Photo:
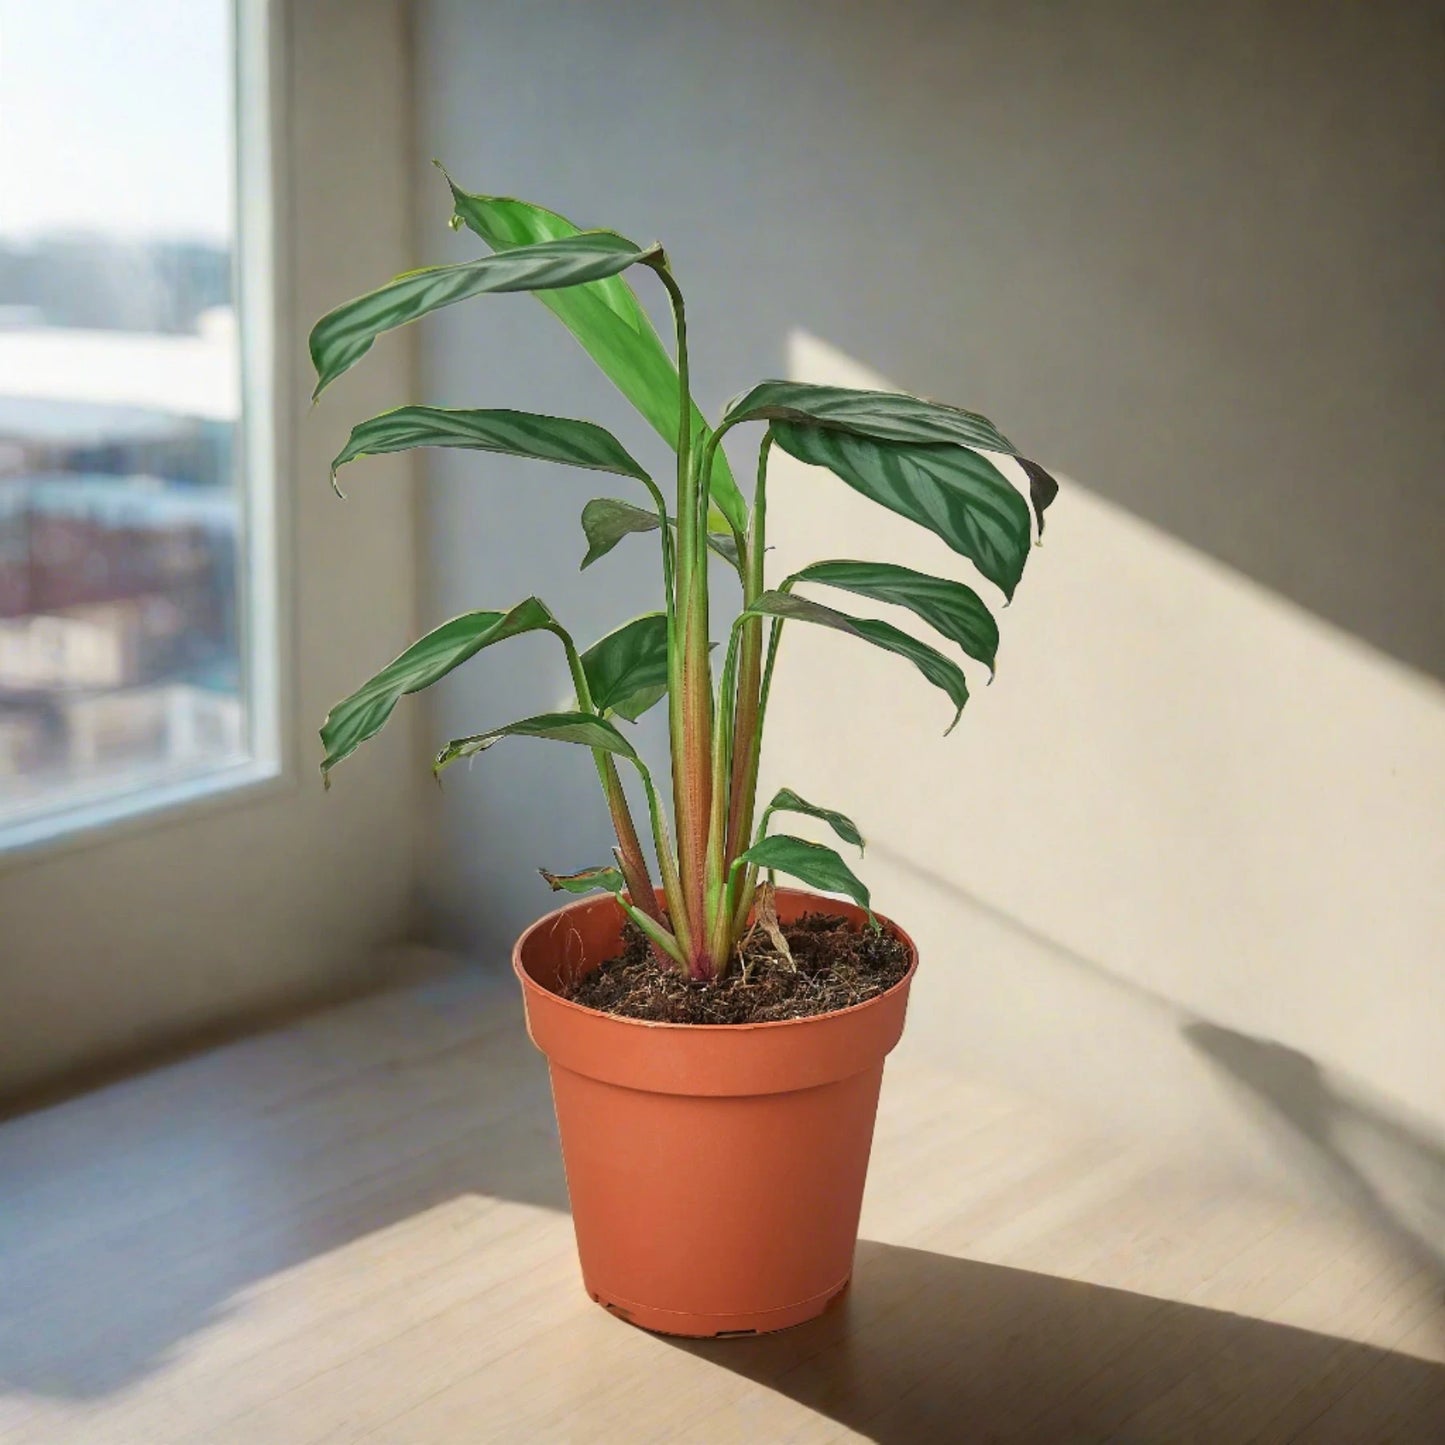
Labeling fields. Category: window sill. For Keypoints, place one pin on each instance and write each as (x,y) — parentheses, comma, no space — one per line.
(120,814)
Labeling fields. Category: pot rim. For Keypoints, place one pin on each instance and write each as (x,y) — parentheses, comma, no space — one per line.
(556,999)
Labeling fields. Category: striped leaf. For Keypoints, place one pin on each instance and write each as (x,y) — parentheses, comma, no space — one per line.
(955,493)
(610,323)
(343,336)
(928,660)
(513,433)
(362,715)
(561,727)
(886,415)
(816,865)
(949,607)
(787,801)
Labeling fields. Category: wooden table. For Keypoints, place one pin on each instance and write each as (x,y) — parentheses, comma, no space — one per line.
(355,1228)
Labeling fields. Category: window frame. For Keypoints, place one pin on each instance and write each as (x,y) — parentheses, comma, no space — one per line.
(264,600)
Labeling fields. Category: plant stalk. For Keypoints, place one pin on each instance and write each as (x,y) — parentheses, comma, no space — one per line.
(750,874)
(666,862)
(630,857)
(689,666)
(719,911)
(746,740)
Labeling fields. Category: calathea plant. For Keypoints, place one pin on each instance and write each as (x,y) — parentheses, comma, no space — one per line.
(925,461)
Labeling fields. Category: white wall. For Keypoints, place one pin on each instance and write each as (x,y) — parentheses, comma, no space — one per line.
(1192,256)
(282,894)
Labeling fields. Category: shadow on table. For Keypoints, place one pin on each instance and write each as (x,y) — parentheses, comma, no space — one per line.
(152,1217)
(924,1348)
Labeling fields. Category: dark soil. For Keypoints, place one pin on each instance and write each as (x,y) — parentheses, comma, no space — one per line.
(833,966)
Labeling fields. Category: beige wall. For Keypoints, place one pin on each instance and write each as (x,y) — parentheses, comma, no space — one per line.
(281,894)
(1192,255)
(1185,802)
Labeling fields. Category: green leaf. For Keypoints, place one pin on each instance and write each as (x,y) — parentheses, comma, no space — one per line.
(635,704)
(362,715)
(725,546)
(628,664)
(1042,488)
(610,323)
(787,801)
(953,609)
(606,521)
(561,727)
(627,669)
(343,336)
(887,415)
(928,660)
(514,433)
(817,865)
(957,494)
(604,879)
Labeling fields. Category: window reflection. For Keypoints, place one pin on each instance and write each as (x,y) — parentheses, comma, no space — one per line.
(121,643)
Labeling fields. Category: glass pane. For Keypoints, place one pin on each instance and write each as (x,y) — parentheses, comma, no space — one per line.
(121,500)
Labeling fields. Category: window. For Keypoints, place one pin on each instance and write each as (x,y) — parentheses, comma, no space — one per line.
(136,646)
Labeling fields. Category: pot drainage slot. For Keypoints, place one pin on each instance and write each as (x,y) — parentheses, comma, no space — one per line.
(613,1309)
(732,1334)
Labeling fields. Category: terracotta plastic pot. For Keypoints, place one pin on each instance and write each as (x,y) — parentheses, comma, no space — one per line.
(715,1170)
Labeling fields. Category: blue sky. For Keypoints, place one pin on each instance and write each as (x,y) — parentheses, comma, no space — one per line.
(116,116)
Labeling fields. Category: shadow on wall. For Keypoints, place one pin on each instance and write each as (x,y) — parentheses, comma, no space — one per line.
(927,1347)
(1347,1136)
(1320,1127)
(1151,241)
(1224,802)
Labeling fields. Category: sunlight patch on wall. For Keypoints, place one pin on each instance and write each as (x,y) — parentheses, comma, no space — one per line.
(1179,780)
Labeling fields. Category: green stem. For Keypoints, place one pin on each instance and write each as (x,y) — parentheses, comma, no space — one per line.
(667,545)
(719,913)
(667,864)
(657,935)
(689,666)
(630,856)
(746,724)
(750,877)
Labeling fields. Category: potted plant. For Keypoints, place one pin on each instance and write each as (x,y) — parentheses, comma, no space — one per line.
(716,1045)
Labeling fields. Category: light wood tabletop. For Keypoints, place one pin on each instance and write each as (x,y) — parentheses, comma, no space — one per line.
(354,1228)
